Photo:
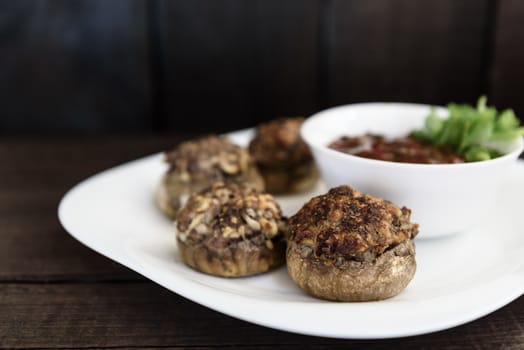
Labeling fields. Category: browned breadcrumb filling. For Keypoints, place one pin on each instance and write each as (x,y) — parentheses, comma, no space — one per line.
(346,223)
(209,158)
(278,143)
(230,212)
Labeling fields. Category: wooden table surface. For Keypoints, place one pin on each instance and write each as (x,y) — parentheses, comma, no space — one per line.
(56,293)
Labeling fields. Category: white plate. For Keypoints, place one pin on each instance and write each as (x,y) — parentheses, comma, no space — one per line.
(458,278)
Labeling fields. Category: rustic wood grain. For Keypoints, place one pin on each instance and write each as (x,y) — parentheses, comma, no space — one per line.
(216,65)
(507,68)
(229,64)
(36,173)
(402,50)
(74,65)
(145,315)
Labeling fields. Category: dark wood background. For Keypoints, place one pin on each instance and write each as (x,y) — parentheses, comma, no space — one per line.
(137,65)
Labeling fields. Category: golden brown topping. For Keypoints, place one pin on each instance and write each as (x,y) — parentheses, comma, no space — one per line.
(229,212)
(278,143)
(207,158)
(347,223)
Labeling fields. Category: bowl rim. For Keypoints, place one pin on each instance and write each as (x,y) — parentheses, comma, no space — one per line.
(514,154)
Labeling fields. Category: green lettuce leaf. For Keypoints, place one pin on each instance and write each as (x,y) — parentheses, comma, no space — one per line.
(471,131)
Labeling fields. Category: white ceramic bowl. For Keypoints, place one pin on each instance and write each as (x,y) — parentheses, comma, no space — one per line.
(444,198)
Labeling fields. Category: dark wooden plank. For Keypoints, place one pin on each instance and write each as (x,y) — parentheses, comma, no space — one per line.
(74,65)
(230,64)
(285,53)
(507,71)
(146,315)
(402,50)
(36,173)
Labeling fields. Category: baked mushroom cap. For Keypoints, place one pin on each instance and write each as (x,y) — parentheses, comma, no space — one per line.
(231,230)
(196,164)
(349,246)
(282,156)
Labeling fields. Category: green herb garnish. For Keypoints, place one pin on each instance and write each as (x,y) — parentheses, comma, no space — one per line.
(477,134)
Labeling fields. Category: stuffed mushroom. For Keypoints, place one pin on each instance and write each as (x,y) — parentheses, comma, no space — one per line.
(349,246)
(231,230)
(196,164)
(282,157)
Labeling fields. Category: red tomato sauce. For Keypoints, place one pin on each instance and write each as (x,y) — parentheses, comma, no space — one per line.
(403,150)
